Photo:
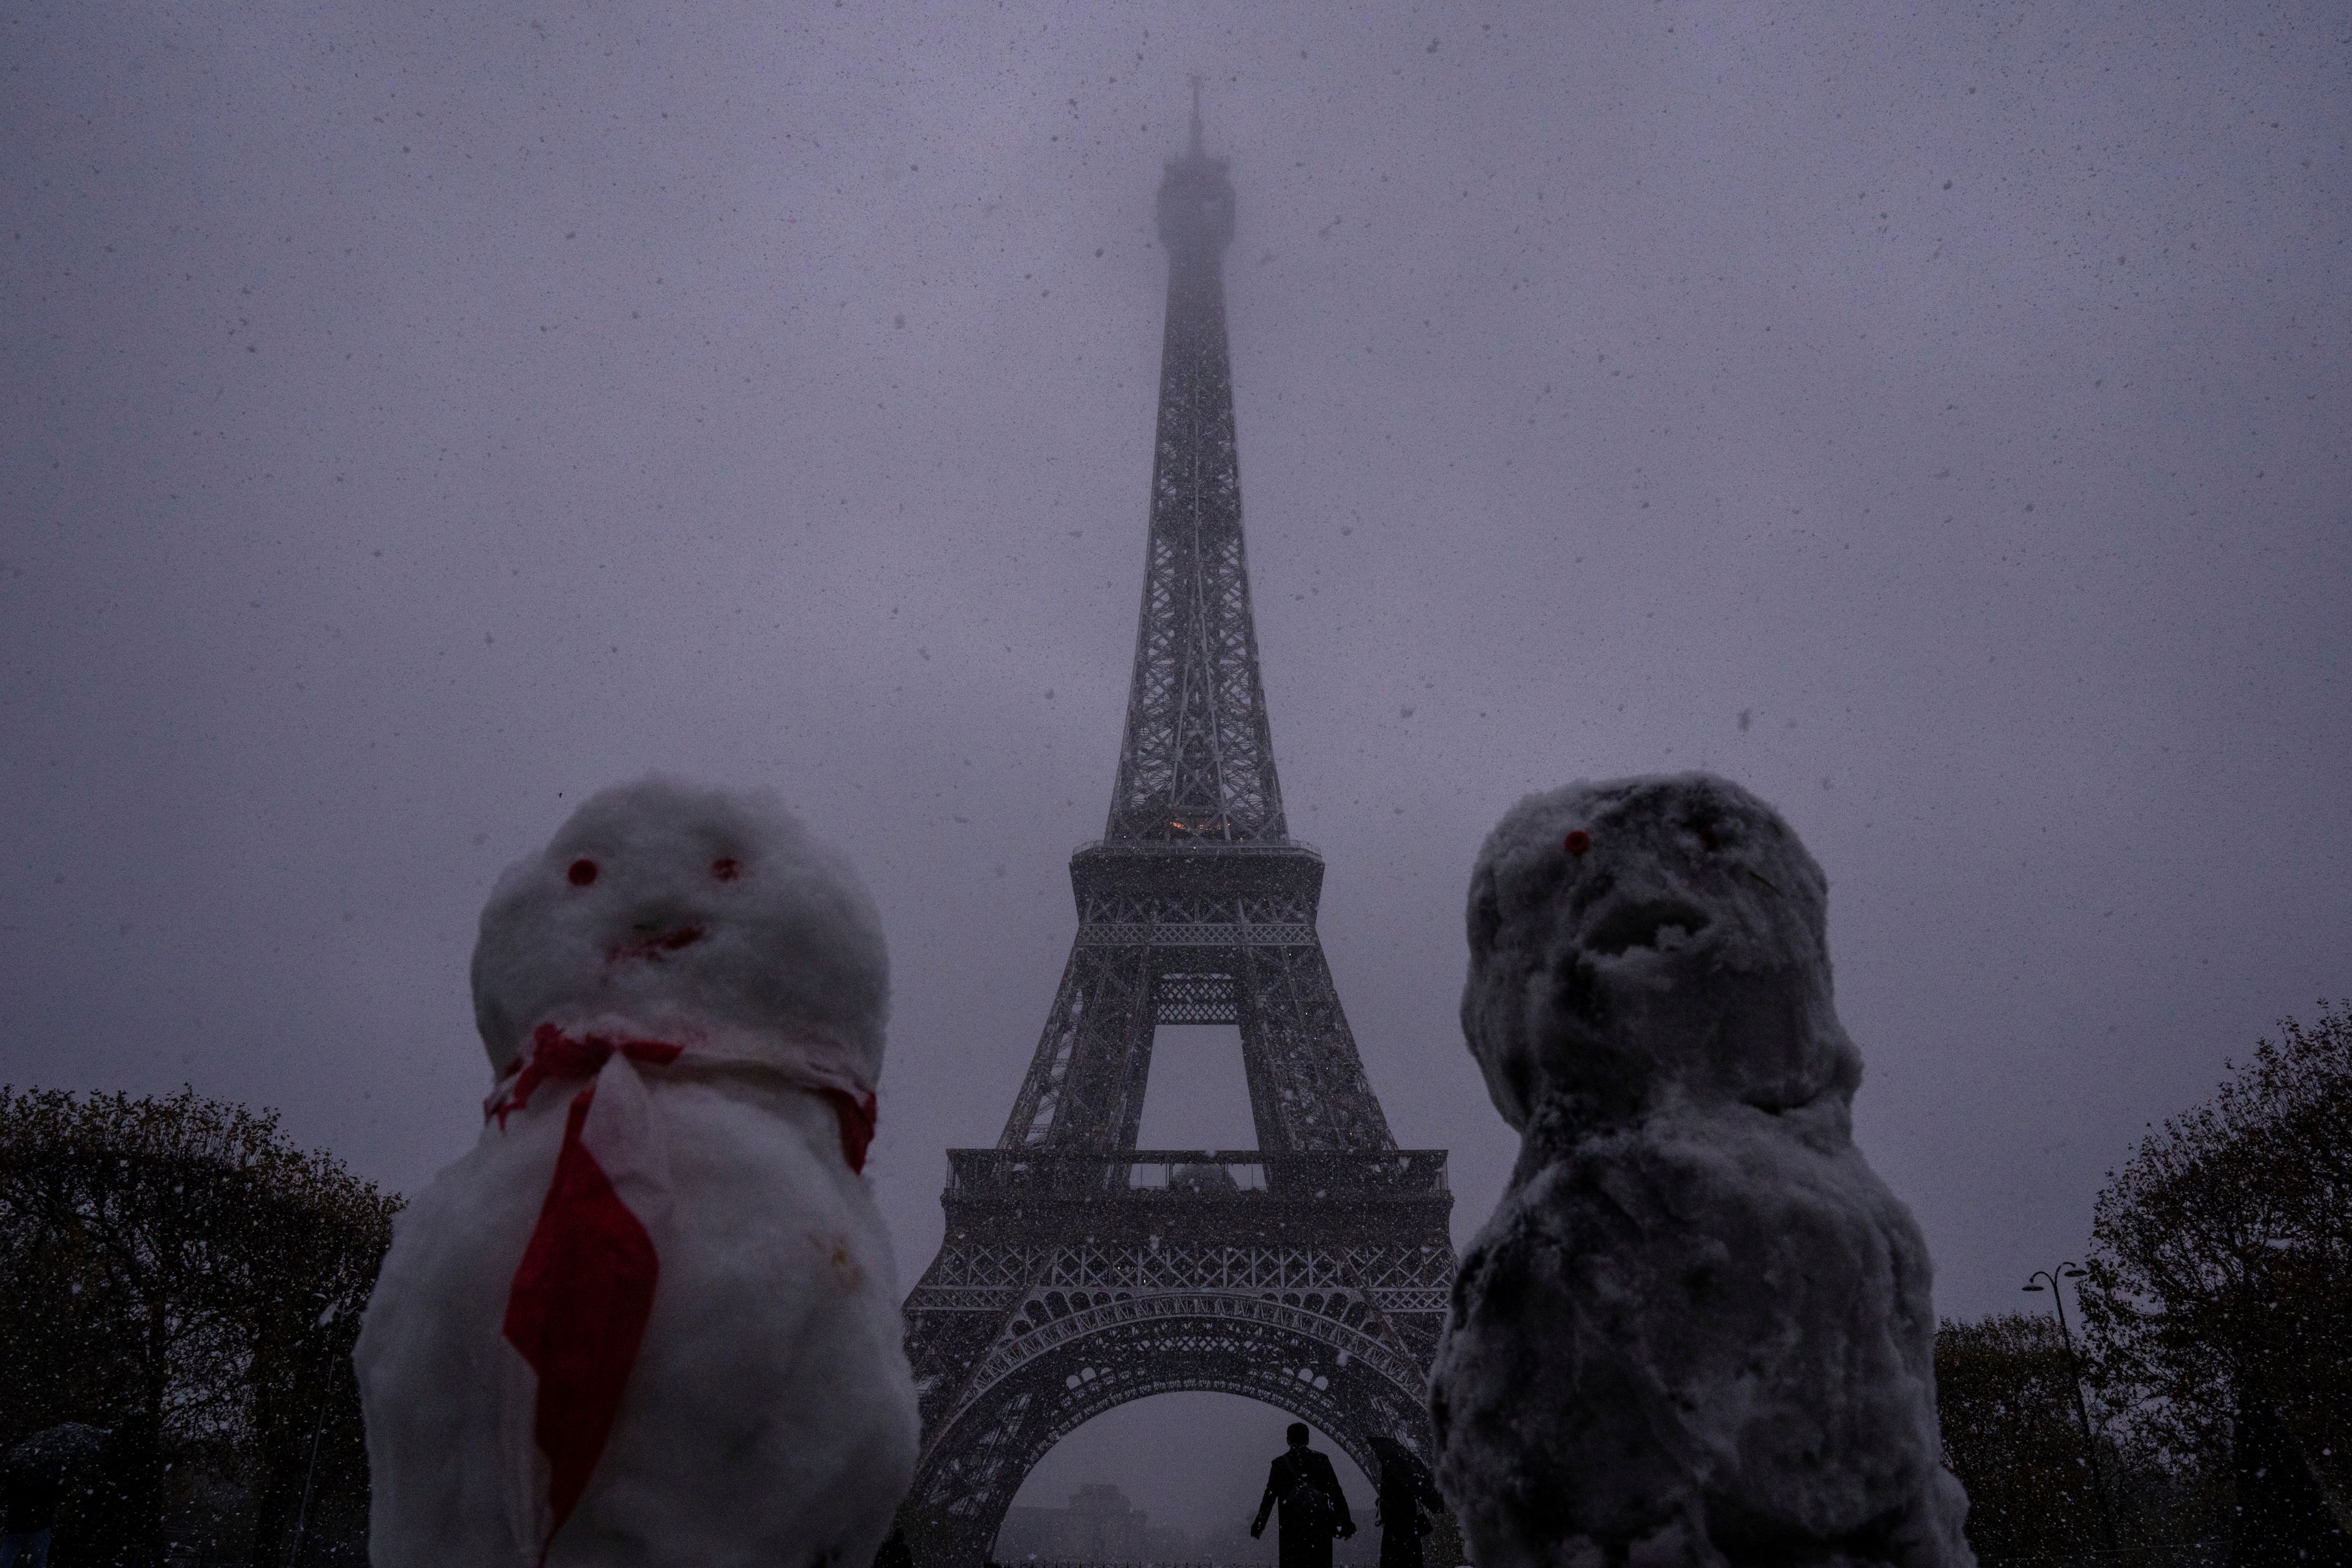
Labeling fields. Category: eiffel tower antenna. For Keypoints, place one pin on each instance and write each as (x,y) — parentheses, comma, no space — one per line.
(1198,760)
(1079,1271)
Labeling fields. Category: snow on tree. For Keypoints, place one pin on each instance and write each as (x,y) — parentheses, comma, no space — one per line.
(1697,1329)
(651,1318)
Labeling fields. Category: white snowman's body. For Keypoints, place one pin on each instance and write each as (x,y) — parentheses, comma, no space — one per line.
(768,1415)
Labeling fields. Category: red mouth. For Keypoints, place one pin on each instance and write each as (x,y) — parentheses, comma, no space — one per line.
(651,948)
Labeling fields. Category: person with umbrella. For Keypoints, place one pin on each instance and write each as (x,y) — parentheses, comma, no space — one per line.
(32,1481)
(1314,1509)
(1406,1489)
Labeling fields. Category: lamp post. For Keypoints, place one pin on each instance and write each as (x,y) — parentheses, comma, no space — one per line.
(317,1426)
(2033,1282)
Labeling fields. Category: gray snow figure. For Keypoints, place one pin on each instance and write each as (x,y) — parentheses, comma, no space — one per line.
(1697,1329)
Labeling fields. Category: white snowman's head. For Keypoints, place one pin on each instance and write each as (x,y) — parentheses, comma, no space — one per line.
(674,905)
(1650,937)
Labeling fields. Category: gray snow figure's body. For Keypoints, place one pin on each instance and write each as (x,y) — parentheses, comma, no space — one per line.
(1697,1329)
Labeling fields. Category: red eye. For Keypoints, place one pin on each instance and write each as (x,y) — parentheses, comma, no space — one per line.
(582,872)
(1577,842)
(725,870)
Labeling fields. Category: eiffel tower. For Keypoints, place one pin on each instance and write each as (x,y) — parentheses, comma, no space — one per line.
(1078,1271)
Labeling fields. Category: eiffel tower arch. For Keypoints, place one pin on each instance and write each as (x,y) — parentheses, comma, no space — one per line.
(1078,1271)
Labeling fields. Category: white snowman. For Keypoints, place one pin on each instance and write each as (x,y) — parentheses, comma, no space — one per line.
(1697,1329)
(651,1320)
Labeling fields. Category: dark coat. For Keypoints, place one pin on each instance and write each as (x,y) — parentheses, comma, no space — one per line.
(1303,1546)
(30,1485)
(1405,1489)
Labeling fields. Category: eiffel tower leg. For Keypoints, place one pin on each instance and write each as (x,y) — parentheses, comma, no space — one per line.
(1084,1085)
(952,1517)
(1036,1108)
(1300,1055)
(1113,1057)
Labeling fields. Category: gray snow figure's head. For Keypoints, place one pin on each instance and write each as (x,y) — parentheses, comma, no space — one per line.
(671,904)
(1648,939)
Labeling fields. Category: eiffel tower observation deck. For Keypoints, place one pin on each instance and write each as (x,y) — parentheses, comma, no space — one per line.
(1078,1271)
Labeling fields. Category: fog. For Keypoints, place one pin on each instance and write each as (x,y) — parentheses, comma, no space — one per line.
(1933,419)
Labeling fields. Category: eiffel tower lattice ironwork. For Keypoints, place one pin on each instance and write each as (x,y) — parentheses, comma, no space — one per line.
(1079,1272)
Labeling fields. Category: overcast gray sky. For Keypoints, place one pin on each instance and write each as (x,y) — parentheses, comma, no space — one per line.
(1933,417)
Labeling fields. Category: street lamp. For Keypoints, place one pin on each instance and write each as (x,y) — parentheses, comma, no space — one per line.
(2035,1282)
(317,1426)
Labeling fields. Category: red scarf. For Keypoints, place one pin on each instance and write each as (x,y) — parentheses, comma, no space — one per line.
(577,1310)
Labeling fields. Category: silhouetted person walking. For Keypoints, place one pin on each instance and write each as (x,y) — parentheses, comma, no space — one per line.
(1405,1489)
(1314,1509)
